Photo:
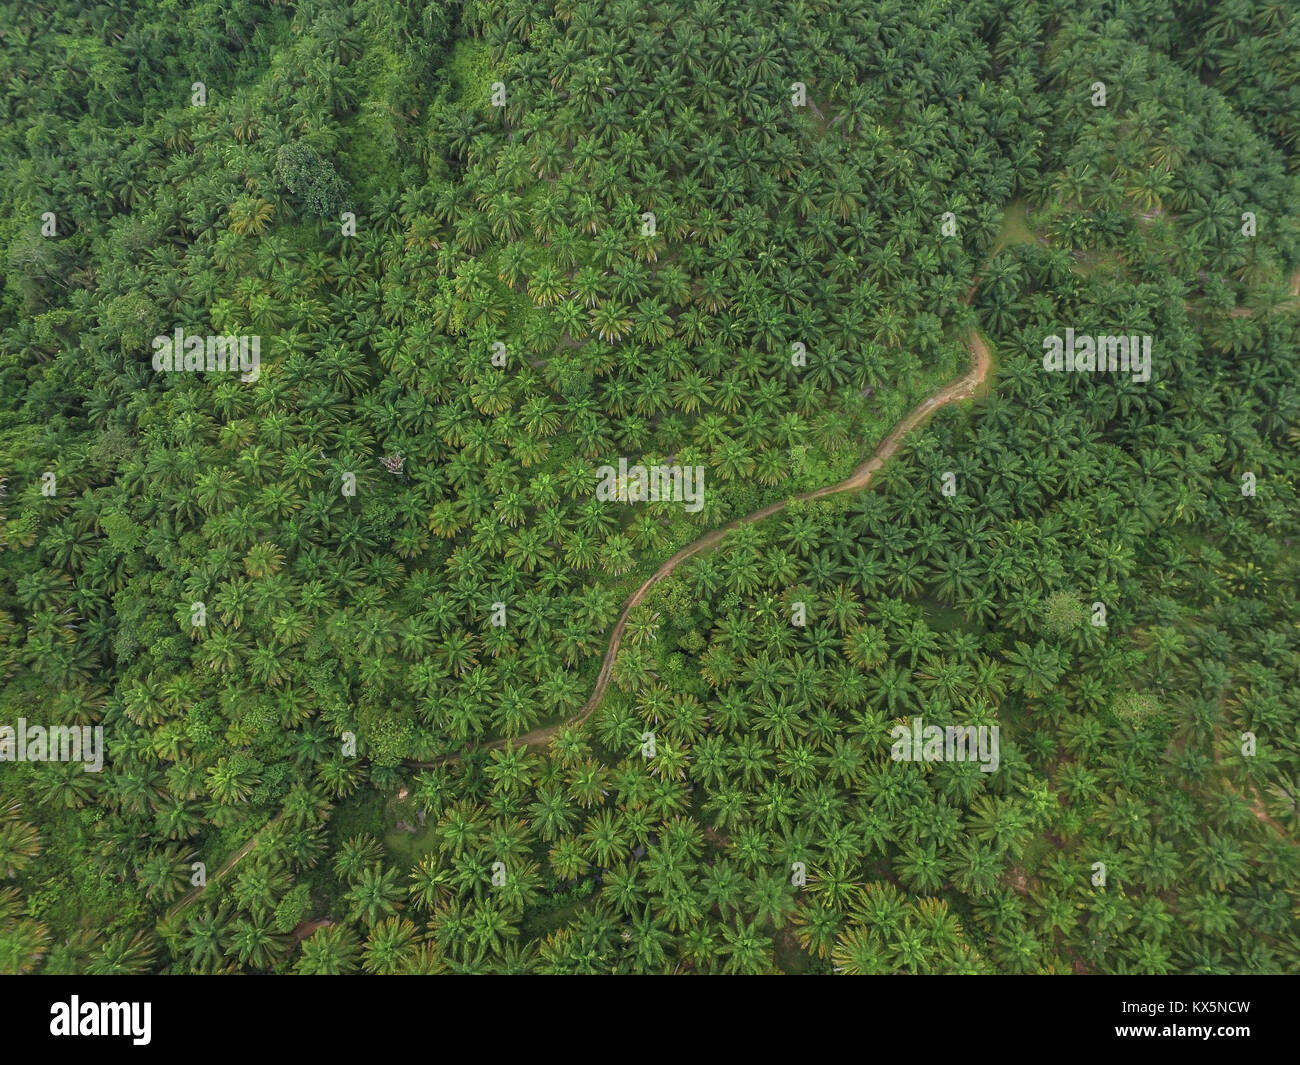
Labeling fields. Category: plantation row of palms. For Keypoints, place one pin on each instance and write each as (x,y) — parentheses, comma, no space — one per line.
(645,229)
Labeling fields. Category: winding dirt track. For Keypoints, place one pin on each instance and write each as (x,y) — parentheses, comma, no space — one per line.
(230,863)
(964,387)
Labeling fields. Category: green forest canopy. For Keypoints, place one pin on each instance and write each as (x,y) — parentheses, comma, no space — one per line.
(951,171)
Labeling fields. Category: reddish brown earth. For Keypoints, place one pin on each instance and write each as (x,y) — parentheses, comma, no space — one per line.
(963,388)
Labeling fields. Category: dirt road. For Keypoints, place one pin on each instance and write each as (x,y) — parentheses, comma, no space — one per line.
(963,388)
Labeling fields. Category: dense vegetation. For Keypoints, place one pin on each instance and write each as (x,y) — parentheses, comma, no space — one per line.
(466,309)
